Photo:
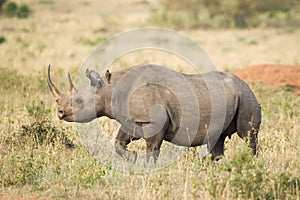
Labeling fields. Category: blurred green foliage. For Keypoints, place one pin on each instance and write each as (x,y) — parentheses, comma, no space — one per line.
(12,9)
(2,39)
(1,4)
(227,14)
(23,11)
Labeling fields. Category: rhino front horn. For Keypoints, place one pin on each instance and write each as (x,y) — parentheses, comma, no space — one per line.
(56,93)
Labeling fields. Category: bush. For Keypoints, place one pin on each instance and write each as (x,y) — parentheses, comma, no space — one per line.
(11,9)
(2,39)
(23,11)
(43,132)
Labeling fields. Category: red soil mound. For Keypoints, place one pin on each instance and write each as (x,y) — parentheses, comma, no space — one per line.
(273,75)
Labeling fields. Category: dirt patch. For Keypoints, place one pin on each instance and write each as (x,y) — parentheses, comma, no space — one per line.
(273,75)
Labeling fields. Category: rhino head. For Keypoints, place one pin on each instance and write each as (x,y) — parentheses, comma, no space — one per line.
(81,106)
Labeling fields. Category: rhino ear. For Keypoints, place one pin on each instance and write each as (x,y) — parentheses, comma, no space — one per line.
(108,76)
(94,77)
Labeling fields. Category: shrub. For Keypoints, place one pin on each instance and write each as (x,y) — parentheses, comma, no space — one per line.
(2,39)
(23,11)
(11,9)
(43,132)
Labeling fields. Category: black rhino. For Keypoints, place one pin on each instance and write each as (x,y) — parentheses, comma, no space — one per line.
(151,101)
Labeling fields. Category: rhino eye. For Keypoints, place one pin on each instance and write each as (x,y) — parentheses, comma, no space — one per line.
(79,101)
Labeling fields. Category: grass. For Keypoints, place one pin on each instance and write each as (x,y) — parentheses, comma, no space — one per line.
(44,156)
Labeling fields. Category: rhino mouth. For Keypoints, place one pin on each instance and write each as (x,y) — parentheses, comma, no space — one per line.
(73,118)
(66,117)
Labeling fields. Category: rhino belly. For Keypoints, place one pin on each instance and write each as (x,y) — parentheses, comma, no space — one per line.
(185,139)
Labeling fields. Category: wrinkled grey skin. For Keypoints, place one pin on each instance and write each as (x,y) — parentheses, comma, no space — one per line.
(243,113)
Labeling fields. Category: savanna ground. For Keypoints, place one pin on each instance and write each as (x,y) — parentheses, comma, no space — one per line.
(41,157)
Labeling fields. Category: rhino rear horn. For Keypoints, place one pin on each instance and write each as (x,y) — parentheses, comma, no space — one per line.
(71,86)
(94,77)
(56,93)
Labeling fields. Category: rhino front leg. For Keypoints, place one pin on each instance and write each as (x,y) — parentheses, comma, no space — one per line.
(121,142)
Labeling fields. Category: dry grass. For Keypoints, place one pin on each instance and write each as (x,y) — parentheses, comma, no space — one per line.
(63,33)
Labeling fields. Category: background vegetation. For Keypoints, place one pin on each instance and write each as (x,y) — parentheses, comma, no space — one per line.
(42,157)
(12,9)
(228,14)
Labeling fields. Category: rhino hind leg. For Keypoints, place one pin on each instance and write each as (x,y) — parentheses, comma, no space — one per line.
(250,137)
(154,132)
(153,145)
(218,150)
(248,131)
